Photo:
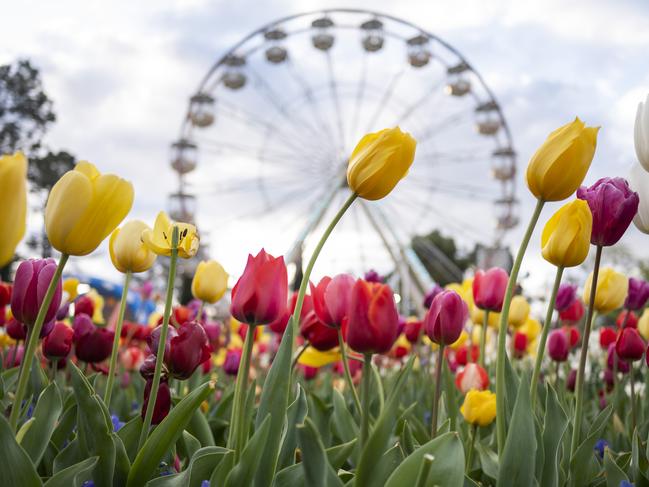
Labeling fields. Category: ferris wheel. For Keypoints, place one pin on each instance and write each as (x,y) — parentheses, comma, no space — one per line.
(263,149)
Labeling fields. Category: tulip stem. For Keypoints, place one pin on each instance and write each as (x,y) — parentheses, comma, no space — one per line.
(544,337)
(483,339)
(348,375)
(469,453)
(118,333)
(365,397)
(579,405)
(238,434)
(155,384)
(438,390)
(501,390)
(633,411)
(32,343)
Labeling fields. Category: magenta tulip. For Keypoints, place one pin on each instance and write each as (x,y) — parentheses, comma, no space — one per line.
(446,317)
(32,279)
(154,339)
(489,288)
(84,305)
(232,360)
(630,345)
(637,295)
(558,346)
(430,295)
(58,343)
(94,346)
(331,299)
(565,297)
(612,357)
(188,350)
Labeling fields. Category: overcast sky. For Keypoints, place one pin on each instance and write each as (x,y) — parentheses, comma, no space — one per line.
(120,73)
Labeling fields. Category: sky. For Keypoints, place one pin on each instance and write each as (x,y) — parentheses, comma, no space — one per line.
(120,74)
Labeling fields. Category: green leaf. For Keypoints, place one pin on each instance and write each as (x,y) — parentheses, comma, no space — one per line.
(317,470)
(583,466)
(488,460)
(517,465)
(295,415)
(555,424)
(187,445)
(447,468)
(244,471)
(638,462)
(289,476)
(65,426)
(70,455)
(338,455)
(450,396)
(614,475)
(387,464)
(46,413)
(222,469)
(73,476)
(200,468)
(15,465)
(165,435)
(200,428)
(274,401)
(380,435)
(130,436)
(511,387)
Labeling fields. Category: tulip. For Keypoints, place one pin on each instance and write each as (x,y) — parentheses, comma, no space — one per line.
(467,354)
(637,295)
(565,296)
(147,367)
(472,377)
(643,324)
(93,346)
(559,166)
(132,358)
(84,207)
(430,295)
(379,161)
(611,290)
(489,289)
(153,341)
(232,360)
(84,305)
(210,281)
(32,280)
(612,357)
(259,296)
(565,240)
(572,334)
(401,348)
(159,240)
(15,329)
(626,319)
(641,133)
(606,337)
(320,336)
(13,204)
(5,294)
(571,381)
(373,276)
(519,344)
(639,182)
(479,407)
(58,343)
(573,313)
(127,251)
(531,329)
(15,358)
(331,299)
(309,373)
(630,346)
(446,317)
(412,330)
(519,311)
(70,287)
(162,401)
(613,205)
(188,350)
(558,346)
(373,319)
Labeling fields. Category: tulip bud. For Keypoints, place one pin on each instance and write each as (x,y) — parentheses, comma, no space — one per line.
(430,295)
(162,402)
(641,133)
(412,330)
(232,360)
(626,319)
(565,240)
(147,368)
(15,329)
(58,343)
(519,311)
(84,305)
(637,295)
(472,377)
(639,182)
(32,279)
(373,276)
(643,324)
(188,350)
(259,297)
(629,345)
(571,381)
(13,204)
(94,346)
(572,334)
(566,294)
(132,358)
(606,337)
(127,251)
(446,317)
(467,354)
(558,346)
(612,356)
(613,205)
(379,161)
(159,240)
(559,166)
(154,340)
(373,320)
(611,290)
(84,207)
(489,288)
(331,299)
(210,281)
(320,336)
(5,294)
(479,407)
(519,344)
(573,313)
(531,329)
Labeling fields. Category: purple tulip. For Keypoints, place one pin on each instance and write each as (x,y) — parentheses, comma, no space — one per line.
(445,319)
(622,365)
(571,381)
(565,297)
(558,346)
(231,363)
(147,368)
(154,340)
(188,350)
(613,205)
(82,325)
(162,401)
(637,295)
(94,346)
(32,279)
(430,295)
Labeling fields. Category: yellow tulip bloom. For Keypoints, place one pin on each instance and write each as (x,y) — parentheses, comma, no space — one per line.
(519,311)
(612,288)
(643,324)
(531,328)
(127,251)
(559,166)
(13,204)
(159,239)
(98,301)
(379,161)
(566,236)
(315,358)
(479,407)
(84,207)
(210,281)
(70,287)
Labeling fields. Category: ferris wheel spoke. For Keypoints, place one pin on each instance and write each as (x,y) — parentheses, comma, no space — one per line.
(333,87)
(358,100)
(448,122)
(385,98)
(421,102)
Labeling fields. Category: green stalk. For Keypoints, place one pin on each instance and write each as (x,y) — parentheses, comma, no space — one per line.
(633,407)
(424,470)
(365,397)
(348,375)
(483,339)
(162,341)
(579,391)
(469,453)
(501,390)
(238,435)
(544,336)
(118,333)
(32,343)
(438,390)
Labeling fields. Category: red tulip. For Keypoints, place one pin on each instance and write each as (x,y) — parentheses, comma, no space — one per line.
(15,329)
(182,314)
(462,354)
(320,336)
(309,373)
(626,319)
(132,358)
(94,346)
(558,346)
(5,294)
(572,333)
(354,367)
(489,288)
(373,321)
(188,350)
(259,296)
(147,368)
(607,336)
(612,357)
(331,299)
(279,325)
(162,402)
(84,305)
(573,313)
(520,344)
(412,330)
(32,279)
(58,343)
(446,317)
(630,345)
(472,377)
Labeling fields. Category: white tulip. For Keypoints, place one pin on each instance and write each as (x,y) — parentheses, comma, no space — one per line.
(639,182)
(641,133)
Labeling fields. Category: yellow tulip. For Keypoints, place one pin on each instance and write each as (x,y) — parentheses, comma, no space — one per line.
(13,204)
(566,236)
(159,239)
(643,324)
(84,207)
(559,166)
(479,407)
(315,358)
(127,251)
(379,161)
(519,311)
(612,288)
(70,287)
(210,281)
(98,302)
(531,328)
(493,320)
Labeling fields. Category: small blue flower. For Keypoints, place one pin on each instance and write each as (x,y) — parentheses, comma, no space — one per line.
(117,424)
(205,483)
(626,483)
(599,448)
(30,409)
(88,483)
